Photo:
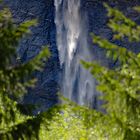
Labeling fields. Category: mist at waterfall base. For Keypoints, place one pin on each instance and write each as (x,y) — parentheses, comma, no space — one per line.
(77,84)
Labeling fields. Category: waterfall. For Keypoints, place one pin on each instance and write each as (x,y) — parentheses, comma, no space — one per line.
(77,83)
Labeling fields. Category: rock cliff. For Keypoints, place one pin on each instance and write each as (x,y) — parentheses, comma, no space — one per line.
(45,34)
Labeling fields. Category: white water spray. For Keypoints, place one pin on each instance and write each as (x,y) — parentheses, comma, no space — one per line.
(77,83)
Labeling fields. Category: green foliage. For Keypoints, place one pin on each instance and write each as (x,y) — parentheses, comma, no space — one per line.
(123,26)
(69,121)
(14,81)
(120,86)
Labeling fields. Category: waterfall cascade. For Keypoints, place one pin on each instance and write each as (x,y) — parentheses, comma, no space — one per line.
(77,83)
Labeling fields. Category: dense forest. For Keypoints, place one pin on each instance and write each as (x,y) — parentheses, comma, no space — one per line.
(117,117)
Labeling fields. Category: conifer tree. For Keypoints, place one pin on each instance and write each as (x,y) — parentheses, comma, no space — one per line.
(120,86)
(15,80)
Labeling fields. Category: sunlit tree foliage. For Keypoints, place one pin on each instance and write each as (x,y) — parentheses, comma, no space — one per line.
(15,79)
(120,86)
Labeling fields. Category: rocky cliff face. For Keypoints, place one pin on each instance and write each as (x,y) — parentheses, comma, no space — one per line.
(45,33)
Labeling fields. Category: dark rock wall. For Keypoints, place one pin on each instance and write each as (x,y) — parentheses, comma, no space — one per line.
(44,33)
